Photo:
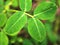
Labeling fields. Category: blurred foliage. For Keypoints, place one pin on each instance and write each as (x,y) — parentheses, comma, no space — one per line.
(23,38)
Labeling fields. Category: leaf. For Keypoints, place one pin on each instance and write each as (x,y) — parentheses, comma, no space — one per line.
(15,23)
(25,5)
(35,42)
(15,3)
(36,29)
(52,19)
(3,19)
(45,10)
(44,42)
(3,39)
(52,37)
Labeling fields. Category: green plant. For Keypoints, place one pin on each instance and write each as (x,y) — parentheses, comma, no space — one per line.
(12,21)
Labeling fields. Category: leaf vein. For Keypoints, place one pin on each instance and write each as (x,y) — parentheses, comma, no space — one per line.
(17,21)
(37,27)
(43,12)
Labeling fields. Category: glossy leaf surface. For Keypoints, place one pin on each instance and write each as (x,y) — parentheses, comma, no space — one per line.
(36,29)
(3,19)
(3,39)
(25,5)
(15,23)
(45,10)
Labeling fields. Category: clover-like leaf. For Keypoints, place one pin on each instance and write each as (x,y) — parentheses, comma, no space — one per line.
(3,19)
(25,5)
(36,29)
(3,39)
(15,23)
(45,10)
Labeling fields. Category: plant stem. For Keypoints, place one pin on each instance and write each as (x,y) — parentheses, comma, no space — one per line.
(13,10)
(24,12)
(29,15)
(7,7)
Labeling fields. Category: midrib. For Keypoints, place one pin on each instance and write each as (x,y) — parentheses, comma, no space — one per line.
(16,21)
(37,27)
(43,12)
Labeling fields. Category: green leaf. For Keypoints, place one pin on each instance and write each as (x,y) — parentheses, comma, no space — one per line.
(45,10)
(44,42)
(1,2)
(52,19)
(3,39)
(25,5)
(15,3)
(3,19)
(36,29)
(52,37)
(15,23)
(27,42)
